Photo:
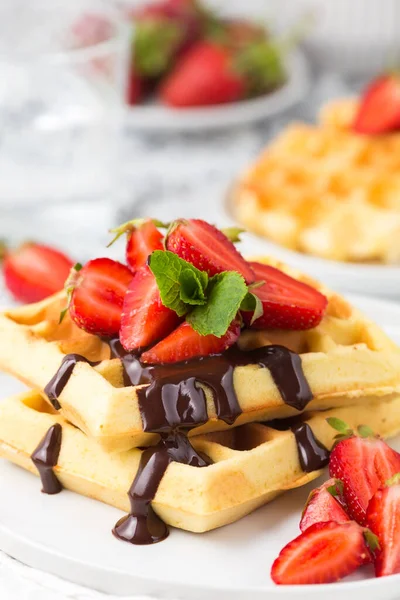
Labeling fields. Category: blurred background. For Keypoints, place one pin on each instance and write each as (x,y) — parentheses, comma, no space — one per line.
(87,143)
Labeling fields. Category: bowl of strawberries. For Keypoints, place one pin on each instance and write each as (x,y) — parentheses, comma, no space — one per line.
(191,68)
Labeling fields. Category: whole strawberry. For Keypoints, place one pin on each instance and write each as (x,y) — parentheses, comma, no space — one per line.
(34,271)
(379,109)
(216,73)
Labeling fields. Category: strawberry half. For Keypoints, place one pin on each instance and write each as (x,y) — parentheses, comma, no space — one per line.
(379,110)
(145,319)
(97,295)
(185,343)
(34,271)
(363,465)
(287,302)
(141,242)
(207,248)
(325,553)
(323,506)
(383,518)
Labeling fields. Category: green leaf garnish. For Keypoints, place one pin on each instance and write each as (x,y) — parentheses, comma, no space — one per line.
(393,480)
(233,233)
(69,287)
(131,225)
(364,431)
(179,282)
(251,302)
(225,293)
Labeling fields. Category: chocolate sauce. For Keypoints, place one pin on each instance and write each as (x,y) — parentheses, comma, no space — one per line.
(58,382)
(142,526)
(312,454)
(45,457)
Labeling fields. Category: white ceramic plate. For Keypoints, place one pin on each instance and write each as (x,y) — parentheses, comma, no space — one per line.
(155,117)
(70,536)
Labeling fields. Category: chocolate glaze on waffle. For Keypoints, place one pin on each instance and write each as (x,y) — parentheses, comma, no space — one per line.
(45,457)
(58,382)
(173,403)
(313,455)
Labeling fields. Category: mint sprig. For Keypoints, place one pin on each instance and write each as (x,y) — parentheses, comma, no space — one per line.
(179,282)
(210,304)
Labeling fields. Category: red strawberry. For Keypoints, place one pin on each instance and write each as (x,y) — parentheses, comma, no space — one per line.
(143,238)
(207,248)
(34,272)
(287,302)
(323,506)
(97,295)
(325,553)
(383,518)
(363,465)
(185,343)
(145,319)
(203,76)
(135,89)
(379,110)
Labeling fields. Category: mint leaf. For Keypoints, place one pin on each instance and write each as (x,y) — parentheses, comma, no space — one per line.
(192,290)
(252,303)
(225,292)
(179,282)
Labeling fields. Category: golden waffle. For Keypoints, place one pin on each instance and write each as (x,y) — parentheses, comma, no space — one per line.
(252,464)
(326,191)
(345,359)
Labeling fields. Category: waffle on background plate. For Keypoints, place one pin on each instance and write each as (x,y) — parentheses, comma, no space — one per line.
(88,434)
(327,191)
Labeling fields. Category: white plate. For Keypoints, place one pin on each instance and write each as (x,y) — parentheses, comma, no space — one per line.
(70,536)
(155,117)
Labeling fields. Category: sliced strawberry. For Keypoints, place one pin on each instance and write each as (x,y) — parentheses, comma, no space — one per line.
(98,294)
(383,518)
(185,343)
(363,465)
(34,271)
(325,553)
(145,319)
(141,242)
(287,302)
(207,248)
(322,506)
(379,110)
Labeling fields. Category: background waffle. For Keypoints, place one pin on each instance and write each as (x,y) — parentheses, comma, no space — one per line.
(345,359)
(252,464)
(326,191)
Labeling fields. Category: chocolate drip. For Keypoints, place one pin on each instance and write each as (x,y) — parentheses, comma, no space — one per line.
(312,454)
(58,382)
(285,368)
(45,457)
(134,372)
(142,526)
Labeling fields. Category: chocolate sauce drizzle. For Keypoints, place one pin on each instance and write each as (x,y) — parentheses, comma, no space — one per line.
(312,454)
(45,457)
(58,382)
(173,403)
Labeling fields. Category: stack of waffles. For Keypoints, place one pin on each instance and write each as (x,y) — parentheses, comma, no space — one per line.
(93,420)
(326,190)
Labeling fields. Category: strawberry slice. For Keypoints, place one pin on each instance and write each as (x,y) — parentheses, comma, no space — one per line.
(287,302)
(325,553)
(379,110)
(322,505)
(141,242)
(185,343)
(207,248)
(33,271)
(143,238)
(363,465)
(145,319)
(383,518)
(97,294)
